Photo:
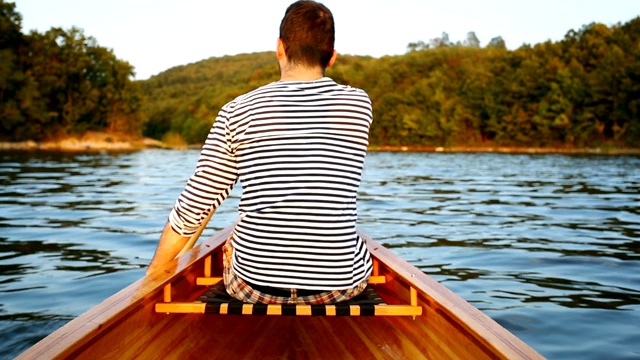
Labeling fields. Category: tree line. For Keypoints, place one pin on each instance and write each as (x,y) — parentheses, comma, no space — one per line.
(582,91)
(62,82)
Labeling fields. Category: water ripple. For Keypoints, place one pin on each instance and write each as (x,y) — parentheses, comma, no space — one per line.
(544,244)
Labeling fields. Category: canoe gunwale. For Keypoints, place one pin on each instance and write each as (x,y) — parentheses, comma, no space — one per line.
(485,330)
(75,334)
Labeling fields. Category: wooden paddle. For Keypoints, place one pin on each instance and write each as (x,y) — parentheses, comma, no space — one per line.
(194,238)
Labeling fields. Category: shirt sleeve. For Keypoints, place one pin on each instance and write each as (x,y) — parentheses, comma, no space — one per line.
(214,177)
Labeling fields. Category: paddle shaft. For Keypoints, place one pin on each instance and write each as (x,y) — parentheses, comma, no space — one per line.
(194,238)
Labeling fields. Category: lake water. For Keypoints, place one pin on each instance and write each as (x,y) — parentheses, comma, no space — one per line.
(547,245)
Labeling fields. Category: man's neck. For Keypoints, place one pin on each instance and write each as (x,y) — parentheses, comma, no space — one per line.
(301,73)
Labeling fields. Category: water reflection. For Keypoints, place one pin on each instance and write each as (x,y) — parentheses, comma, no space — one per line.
(538,242)
(577,294)
(517,232)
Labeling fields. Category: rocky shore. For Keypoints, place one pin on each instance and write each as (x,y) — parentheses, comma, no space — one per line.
(511,150)
(101,141)
(90,141)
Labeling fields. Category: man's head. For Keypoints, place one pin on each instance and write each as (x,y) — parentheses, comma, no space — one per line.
(308,34)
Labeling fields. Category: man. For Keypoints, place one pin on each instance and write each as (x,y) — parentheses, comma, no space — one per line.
(298,147)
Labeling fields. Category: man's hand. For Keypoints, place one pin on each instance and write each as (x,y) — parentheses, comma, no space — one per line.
(169,246)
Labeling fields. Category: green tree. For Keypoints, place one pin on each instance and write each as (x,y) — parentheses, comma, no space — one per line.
(12,79)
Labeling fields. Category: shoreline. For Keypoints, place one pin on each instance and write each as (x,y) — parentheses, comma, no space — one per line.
(509,150)
(88,142)
(97,142)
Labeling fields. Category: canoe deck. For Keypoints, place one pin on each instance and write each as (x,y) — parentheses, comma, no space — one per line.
(127,326)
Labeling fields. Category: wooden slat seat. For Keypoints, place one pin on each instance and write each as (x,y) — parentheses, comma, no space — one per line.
(217,301)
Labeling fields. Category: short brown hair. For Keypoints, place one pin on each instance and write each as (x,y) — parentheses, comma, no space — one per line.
(308,33)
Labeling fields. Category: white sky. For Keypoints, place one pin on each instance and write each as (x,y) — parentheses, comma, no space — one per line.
(155,35)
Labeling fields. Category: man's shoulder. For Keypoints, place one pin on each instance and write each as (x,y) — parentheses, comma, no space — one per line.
(325,85)
(349,88)
(249,96)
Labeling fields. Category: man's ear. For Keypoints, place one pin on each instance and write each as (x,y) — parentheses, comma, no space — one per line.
(333,58)
(280,53)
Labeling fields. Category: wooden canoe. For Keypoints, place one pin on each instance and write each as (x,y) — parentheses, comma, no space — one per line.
(126,325)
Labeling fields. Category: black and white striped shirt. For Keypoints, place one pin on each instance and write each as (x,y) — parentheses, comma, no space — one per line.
(298,149)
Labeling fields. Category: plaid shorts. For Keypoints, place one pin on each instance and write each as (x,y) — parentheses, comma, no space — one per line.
(239,289)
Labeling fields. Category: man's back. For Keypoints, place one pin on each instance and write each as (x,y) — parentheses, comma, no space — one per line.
(300,149)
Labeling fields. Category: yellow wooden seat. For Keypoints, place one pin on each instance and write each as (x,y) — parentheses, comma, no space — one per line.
(217,301)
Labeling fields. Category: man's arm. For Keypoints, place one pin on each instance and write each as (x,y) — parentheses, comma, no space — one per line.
(169,246)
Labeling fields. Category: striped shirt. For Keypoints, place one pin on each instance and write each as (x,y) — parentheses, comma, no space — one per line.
(298,149)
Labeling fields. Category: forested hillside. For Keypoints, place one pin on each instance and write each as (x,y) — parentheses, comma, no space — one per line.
(185,100)
(583,91)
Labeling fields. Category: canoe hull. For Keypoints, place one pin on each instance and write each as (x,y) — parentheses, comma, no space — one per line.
(127,326)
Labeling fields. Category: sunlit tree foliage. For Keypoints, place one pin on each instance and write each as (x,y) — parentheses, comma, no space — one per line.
(62,82)
(583,91)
